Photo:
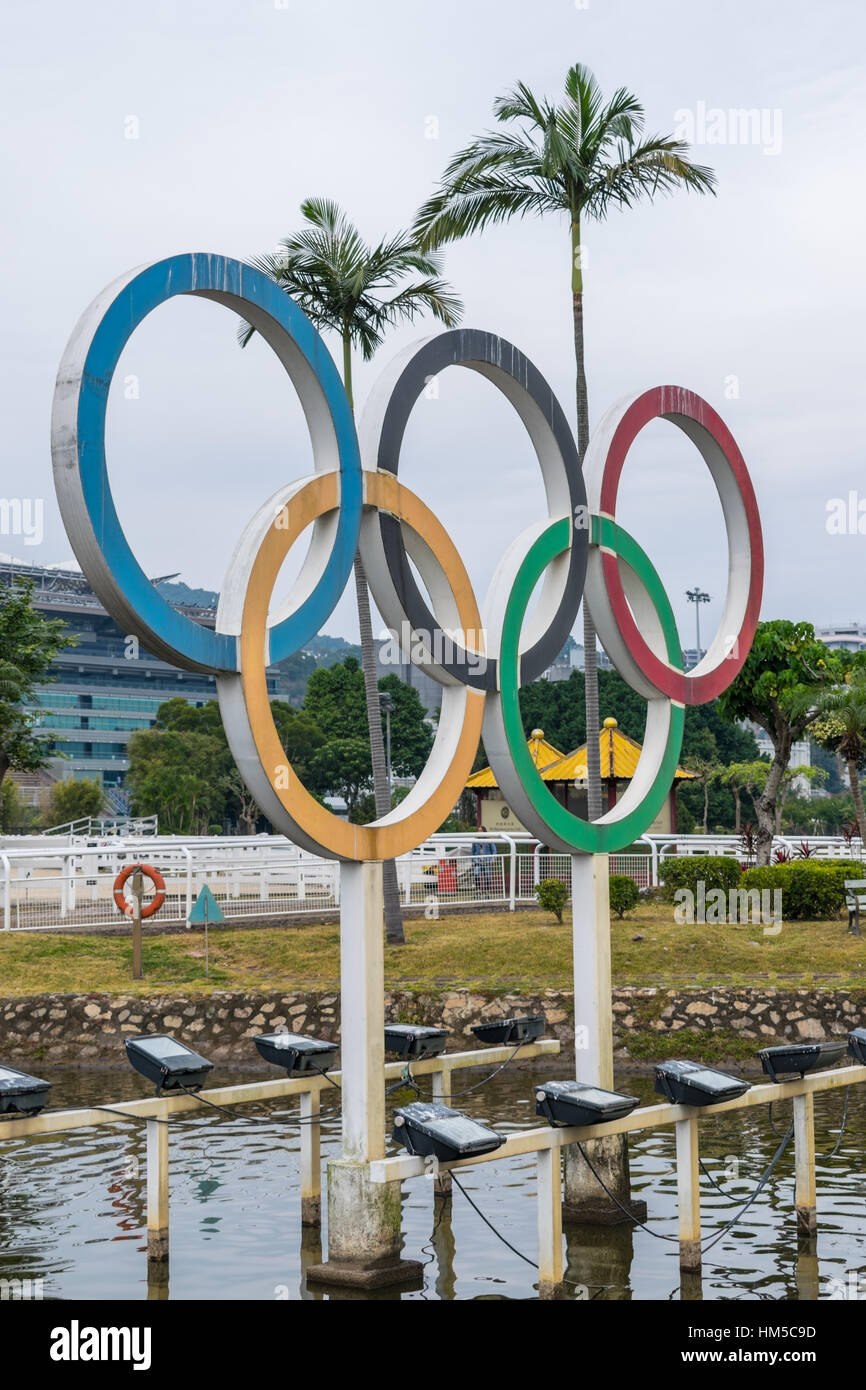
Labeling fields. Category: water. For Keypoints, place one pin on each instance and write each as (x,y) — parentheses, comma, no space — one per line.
(72,1208)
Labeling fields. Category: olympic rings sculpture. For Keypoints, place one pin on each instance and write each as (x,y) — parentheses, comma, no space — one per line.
(354,500)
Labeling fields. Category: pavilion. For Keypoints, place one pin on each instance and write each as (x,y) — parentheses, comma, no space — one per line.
(567,775)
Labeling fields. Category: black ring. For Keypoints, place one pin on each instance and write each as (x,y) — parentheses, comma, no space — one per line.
(537,406)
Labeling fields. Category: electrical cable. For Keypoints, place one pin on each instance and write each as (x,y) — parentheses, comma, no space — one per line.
(249,1119)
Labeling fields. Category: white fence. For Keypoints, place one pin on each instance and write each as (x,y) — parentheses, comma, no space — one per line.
(47,883)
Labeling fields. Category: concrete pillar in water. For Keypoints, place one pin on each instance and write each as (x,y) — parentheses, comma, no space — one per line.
(585,1197)
(364,1228)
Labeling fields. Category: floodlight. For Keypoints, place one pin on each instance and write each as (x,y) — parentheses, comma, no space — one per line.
(798,1058)
(511,1030)
(169,1064)
(428,1127)
(295,1052)
(21,1093)
(689,1083)
(415,1040)
(579,1103)
(857,1044)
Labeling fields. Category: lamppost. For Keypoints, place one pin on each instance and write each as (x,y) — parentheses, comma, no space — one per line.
(386,704)
(697,597)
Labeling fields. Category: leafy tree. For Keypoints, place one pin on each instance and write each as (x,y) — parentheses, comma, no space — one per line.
(841,727)
(14,815)
(335,700)
(29,644)
(182,768)
(342,765)
(779,687)
(75,800)
(360,291)
(577,161)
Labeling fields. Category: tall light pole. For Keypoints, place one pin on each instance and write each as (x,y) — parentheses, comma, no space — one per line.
(386,704)
(697,597)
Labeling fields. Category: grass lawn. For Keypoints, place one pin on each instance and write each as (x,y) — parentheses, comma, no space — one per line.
(501,951)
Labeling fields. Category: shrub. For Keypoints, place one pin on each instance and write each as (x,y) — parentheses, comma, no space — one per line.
(552,895)
(624,894)
(713,870)
(812,890)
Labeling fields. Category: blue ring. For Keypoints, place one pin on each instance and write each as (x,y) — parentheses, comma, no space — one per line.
(213,277)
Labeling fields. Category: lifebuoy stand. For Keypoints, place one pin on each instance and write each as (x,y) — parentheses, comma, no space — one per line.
(134,909)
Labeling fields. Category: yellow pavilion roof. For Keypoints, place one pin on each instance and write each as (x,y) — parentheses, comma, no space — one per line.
(619,759)
(543,755)
(619,756)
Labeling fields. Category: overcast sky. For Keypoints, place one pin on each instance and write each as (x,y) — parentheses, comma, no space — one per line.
(241,108)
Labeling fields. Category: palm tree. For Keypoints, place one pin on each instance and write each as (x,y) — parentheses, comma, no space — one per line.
(360,291)
(578,159)
(841,725)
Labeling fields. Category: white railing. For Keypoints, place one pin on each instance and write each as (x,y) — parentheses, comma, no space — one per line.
(45,884)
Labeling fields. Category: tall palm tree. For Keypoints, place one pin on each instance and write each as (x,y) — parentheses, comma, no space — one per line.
(578,159)
(841,726)
(360,291)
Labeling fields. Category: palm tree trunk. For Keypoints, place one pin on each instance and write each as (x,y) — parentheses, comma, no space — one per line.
(394,933)
(590,669)
(706,806)
(737,810)
(857,793)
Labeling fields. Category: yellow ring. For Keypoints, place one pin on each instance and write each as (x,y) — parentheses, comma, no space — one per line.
(338,837)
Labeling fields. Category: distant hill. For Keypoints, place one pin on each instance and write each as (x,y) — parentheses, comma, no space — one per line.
(327,651)
(178,592)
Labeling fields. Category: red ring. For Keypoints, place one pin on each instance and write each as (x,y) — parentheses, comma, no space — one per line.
(156,879)
(668,402)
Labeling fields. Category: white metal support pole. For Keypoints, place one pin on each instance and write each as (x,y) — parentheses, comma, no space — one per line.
(441,1087)
(804,1144)
(7,892)
(597,1198)
(311,1160)
(593,1017)
(689,1193)
(362,1007)
(549,1167)
(157,1192)
(364,1219)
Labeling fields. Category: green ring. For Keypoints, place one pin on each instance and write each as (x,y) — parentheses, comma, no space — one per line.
(585,836)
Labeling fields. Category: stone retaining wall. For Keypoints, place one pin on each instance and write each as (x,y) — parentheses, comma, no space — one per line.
(87,1029)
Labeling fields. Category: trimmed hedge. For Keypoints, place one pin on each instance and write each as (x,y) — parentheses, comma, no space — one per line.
(713,870)
(812,890)
(624,894)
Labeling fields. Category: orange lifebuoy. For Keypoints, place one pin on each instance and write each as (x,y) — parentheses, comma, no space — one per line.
(156,878)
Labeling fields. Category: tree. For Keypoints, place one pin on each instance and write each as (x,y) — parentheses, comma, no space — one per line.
(183,771)
(76,800)
(335,700)
(779,688)
(360,291)
(14,815)
(342,765)
(29,644)
(841,727)
(577,160)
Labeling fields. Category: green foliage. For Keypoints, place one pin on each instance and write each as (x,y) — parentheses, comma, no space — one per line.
(29,644)
(552,895)
(782,678)
(582,157)
(624,894)
(713,870)
(352,288)
(335,701)
(75,800)
(342,766)
(812,890)
(14,815)
(182,769)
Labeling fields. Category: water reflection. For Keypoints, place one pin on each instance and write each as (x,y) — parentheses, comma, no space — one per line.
(72,1210)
